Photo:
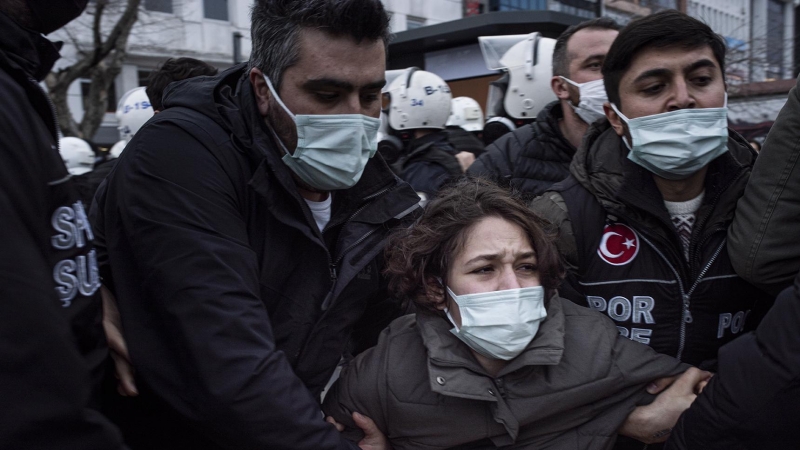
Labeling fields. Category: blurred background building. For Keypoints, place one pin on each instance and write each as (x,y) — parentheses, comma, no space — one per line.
(439,36)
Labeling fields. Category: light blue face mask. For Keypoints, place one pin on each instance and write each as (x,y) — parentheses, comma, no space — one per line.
(676,144)
(499,324)
(333,149)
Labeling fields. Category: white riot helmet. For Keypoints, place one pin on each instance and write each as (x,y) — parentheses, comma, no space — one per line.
(418,99)
(466,113)
(77,155)
(133,110)
(528,61)
(117,149)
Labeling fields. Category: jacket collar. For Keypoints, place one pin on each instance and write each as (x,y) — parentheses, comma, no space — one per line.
(446,350)
(548,121)
(27,49)
(601,166)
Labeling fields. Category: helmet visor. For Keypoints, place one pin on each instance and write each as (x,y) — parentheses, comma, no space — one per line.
(494,47)
(497,93)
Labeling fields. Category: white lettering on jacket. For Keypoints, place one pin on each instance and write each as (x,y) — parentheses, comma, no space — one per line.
(78,275)
(734,322)
(620,309)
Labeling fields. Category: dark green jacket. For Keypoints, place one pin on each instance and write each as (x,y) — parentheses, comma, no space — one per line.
(570,389)
(764,238)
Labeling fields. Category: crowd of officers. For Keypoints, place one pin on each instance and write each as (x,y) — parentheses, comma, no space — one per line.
(203,287)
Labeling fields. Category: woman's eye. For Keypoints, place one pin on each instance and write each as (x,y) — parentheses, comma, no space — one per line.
(486,269)
(528,267)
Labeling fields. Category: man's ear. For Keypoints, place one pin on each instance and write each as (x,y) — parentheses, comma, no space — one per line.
(613,118)
(560,88)
(261,90)
(434,291)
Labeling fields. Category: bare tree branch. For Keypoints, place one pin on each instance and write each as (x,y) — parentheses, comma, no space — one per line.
(102,64)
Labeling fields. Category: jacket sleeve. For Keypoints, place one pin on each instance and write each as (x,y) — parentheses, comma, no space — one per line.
(187,283)
(754,395)
(361,388)
(762,243)
(496,162)
(44,381)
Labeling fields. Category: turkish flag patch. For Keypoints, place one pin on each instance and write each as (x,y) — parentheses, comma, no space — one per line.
(619,245)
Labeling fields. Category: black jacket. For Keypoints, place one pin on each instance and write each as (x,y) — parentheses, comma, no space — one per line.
(753,402)
(429,163)
(532,158)
(50,331)
(235,307)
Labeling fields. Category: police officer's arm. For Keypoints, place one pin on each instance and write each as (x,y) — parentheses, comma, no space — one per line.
(44,381)
(762,239)
(210,354)
(754,395)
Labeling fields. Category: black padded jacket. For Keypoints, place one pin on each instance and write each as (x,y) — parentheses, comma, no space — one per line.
(531,158)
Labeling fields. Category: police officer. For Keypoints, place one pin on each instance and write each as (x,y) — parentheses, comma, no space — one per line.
(417,104)
(51,340)
(644,214)
(243,230)
(538,154)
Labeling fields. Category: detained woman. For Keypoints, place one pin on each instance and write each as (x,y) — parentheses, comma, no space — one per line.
(494,357)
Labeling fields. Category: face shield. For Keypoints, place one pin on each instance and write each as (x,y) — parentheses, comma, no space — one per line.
(494,48)
(497,94)
(390,76)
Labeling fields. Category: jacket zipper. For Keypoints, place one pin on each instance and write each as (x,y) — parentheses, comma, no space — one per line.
(686,314)
(333,265)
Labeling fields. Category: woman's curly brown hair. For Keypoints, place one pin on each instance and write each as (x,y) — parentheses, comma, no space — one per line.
(424,251)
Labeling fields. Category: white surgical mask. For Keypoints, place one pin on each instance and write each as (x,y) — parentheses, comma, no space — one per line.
(676,144)
(332,150)
(499,324)
(593,96)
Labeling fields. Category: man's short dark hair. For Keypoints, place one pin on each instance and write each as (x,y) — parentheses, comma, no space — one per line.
(668,28)
(276,25)
(174,69)
(560,57)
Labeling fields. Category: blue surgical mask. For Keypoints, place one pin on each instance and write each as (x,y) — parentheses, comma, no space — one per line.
(676,144)
(332,150)
(593,96)
(499,324)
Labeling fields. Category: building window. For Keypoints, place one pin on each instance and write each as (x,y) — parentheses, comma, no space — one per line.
(517,5)
(215,9)
(111,102)
(144,76)
(775,43)
(413,23)
(164,6)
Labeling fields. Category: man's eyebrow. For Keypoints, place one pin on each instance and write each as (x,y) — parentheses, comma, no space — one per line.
(653,73)
(328,83)
(703,63)
(599,56)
